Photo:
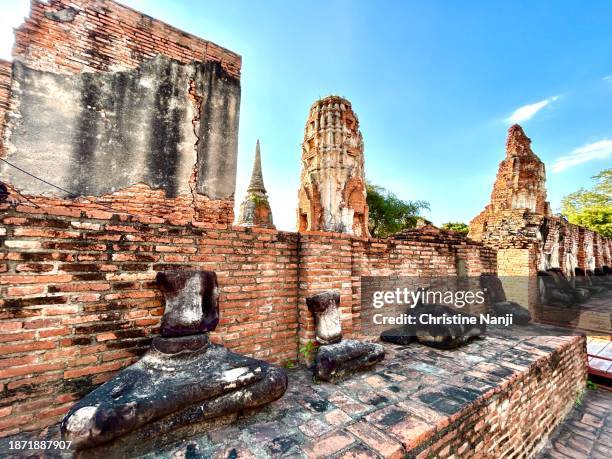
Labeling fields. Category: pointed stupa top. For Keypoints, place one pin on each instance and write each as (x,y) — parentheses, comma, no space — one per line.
(517,143)
(255,209)
(257,183)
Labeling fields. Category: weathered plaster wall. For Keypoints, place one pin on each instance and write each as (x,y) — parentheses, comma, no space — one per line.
(96,133)
(105,102)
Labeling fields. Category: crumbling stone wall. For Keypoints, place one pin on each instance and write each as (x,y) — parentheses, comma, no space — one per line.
(332,195)
(338,262)
(78,299)
(147,111)
(555,242)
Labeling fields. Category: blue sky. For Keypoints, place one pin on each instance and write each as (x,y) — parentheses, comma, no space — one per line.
(435,86)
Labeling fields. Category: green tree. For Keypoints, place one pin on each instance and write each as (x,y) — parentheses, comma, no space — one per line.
(592,208)
(388,214)
(459,227)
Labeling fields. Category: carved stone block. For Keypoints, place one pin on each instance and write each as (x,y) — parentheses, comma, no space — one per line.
(192,302)
(324,307)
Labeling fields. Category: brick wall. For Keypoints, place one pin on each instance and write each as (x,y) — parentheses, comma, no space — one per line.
(564,243)
(338,261)
(325,262)
(70,37)
(106,36)
(517,417)
(139,201)
(78,300)
(424,252)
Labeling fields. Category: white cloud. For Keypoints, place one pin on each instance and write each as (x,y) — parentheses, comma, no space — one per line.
(596,150)
(526,112)
(608,79)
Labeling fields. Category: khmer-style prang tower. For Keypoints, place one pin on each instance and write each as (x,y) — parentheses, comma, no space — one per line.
(332,195)
(255,209)
(520,184)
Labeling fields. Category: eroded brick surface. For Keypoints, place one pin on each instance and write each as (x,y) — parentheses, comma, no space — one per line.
(68,36)
(518,223)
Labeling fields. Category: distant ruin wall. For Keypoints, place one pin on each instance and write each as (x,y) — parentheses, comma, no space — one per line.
(5,90)
(78,299)
(105,100)
(518,223)
(553,241)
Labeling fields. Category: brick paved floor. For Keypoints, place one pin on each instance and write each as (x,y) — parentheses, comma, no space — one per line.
(586,432)
(405,399)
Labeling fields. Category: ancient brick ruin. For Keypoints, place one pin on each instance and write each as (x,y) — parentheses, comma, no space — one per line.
(78,298)
(520,183)
(518,222)
(332,194)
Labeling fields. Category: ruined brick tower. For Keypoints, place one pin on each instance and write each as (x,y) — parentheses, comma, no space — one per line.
(520,183)
(332,194)
(255,209)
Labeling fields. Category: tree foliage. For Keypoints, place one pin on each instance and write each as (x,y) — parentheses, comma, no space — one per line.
(459,227)
(388,214)
(592,208)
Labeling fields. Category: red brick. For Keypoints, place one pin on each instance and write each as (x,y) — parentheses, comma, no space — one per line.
(42,279)
(26,347)
(26,290)
(378,441)
(95,369)
(10,326)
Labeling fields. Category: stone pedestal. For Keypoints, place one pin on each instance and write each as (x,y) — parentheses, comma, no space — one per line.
(555,290)
(500,305)
(336,361)
(181,382)
(338,358)
(441,336)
